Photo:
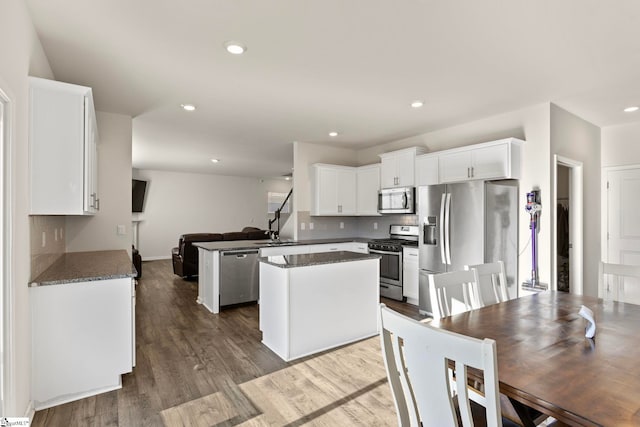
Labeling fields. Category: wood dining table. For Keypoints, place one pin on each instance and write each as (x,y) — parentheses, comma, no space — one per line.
(546,363)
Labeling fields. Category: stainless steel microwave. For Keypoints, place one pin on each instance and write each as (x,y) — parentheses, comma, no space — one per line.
(401,200)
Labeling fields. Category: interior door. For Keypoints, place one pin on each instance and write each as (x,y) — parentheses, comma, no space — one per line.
(623,223)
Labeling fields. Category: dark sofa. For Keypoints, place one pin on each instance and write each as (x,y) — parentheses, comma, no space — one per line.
(185,256)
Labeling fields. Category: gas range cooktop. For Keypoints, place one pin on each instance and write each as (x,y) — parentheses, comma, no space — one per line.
(393,245)
(399,236)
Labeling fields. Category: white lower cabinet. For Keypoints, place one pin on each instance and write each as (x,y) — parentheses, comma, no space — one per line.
(332,247)
(410,274)
(83,338)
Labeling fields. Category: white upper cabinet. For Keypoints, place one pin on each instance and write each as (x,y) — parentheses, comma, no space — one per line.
(427,169)
(368,185)
(398,167)
(491,160)
(333,190)
(63,154)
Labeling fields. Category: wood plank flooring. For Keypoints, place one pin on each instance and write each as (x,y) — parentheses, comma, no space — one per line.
(199,369)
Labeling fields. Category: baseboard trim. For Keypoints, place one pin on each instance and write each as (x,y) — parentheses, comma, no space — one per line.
(30,412)
(155,258)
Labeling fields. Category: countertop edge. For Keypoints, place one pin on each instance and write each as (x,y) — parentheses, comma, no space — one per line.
(90,266)
(327,258)
(260,244)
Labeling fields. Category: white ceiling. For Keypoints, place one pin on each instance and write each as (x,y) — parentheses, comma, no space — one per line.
(348,65)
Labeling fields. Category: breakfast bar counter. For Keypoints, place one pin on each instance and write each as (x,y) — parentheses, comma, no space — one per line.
(314,302)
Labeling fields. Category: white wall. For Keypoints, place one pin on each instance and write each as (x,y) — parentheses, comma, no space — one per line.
(20,55)
(620,145)
(98,232)
(577,139)
(177,203)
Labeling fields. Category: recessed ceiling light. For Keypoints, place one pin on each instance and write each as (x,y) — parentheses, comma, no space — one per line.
(188,107)
(215,160)
(235,48)
(417,104)
(287,178)
(333,134)
(631,109)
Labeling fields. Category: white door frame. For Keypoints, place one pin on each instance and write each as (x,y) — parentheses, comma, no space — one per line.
(6,293)
(575,224)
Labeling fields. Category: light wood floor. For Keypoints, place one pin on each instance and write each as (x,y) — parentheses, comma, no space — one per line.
(199,369)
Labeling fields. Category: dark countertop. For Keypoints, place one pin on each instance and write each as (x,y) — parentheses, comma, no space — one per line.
(87,266)
(306,260)
(257,244)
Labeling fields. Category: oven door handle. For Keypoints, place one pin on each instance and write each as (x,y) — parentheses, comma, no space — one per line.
(376,251)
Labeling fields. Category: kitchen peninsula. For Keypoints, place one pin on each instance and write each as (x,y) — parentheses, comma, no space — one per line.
(212,274)
(313,302)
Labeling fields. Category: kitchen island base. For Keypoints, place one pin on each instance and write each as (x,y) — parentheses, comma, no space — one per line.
(312,308)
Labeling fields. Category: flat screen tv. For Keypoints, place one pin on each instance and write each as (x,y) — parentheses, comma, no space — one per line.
(138,190)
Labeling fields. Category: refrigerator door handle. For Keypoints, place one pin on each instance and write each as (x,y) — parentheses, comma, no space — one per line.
(443,240)
(447,231)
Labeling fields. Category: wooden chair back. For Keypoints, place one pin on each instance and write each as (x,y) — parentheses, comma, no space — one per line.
(454,292)
(492,282)
(619,282)
(417,357)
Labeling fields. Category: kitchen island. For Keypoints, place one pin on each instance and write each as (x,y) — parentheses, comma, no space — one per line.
(314,302)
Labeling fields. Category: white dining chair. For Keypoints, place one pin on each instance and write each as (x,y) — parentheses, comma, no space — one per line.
(454,292)
(619,282)
(416,357)
(492,282)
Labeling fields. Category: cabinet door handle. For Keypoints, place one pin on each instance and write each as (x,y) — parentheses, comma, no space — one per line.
(97,204)
(472,172)
(339,208)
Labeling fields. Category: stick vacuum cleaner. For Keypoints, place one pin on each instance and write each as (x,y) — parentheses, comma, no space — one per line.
(533,208)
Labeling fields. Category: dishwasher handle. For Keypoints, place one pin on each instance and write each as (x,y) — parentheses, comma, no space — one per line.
(239,253)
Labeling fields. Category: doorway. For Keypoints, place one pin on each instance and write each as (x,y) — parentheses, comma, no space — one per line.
(563,237)
(567,220)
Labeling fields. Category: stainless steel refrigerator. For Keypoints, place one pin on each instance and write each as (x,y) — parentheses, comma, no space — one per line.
(467,223)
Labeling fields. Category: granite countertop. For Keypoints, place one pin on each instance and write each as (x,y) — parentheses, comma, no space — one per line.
(306,260)
(256,244)
(87,266)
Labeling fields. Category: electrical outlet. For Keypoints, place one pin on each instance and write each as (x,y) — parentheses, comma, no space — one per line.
(44,239)
(122,230)
(303,226)
(375,225)
(341,224)
(310,226)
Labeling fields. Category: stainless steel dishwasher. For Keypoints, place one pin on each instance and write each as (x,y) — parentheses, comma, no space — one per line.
(239,276)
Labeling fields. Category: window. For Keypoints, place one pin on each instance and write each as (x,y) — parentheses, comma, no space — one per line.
(274,201)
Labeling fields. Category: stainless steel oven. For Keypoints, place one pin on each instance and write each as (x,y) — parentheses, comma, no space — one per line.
(390,251)
(390,273)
